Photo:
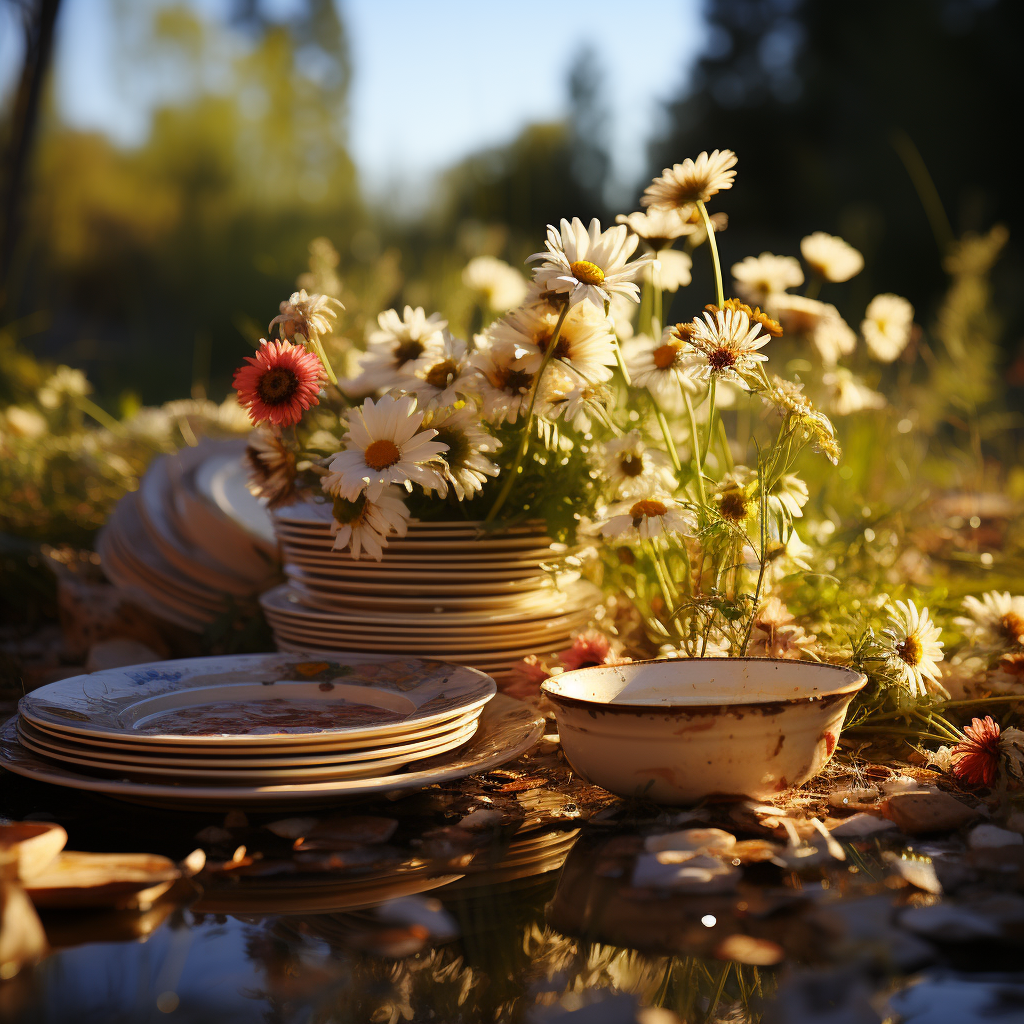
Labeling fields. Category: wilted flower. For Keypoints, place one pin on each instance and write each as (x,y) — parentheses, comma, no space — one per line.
(975,759)
(1008,676)
(828,332)
(591,265)
(505,391)
(646,519)
(589,649)
(271,468)
(692,181)
(525,677)
(503,286)
(831,257)
(634,468)
(757,277)
(849,394)
(729,346)
(280,383)
(776,634)
(886,326)
(384,445)
(914,649)
(367,522)
(308,315)
(466,466)
(997,620)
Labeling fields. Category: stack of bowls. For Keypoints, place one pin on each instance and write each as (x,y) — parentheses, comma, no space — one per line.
(446,590)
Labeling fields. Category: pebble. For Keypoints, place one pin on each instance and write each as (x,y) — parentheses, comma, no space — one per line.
(667,870)
(704,840)
(927,811)
(481,818)
(118,652)
(918,871)
(901,784)
(987,836)
(419,910)
(859,826)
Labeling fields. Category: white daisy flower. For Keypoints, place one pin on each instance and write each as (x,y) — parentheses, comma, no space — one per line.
(585,346)
(849,394)
(502,285)
(590,265)
(465,463)
(664,368)
(366,523)
(64,384)
(385,445)
(442,375)
(685,184)
(997,620)
(574,400)
(886,326)
(914,650)
(788,493)
(670,270)
(399,346)
(634,469)
(728,345)
(831,257)
(504,390)
(757,277)
(828,332)
(646,519)
(308,315)
(658,227)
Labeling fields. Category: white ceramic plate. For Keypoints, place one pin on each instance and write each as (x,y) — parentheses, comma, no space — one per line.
(222,481)
(508,728)
(122,755)
(382,765)
(391,584)
(550,601)
(266,699)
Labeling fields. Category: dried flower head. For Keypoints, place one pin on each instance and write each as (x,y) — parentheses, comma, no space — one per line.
(975,759)
(728,345)
(692,181)
(308,315)
(280,383)
(271,468)
(367,522)
(775,633)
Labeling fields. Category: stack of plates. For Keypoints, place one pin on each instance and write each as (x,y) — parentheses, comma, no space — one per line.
(445,590)
(192,540)
(264,729)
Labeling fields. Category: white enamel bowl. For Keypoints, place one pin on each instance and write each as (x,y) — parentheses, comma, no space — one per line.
(677,731)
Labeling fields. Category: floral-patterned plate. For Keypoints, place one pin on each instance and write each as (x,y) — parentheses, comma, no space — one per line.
(263,700)
(507,729)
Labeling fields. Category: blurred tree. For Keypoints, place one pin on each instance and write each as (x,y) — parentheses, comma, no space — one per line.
(158,264)
(836,110)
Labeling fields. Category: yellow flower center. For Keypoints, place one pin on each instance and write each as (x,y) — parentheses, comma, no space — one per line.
(646,509)
(587,272)
(631,465)
(441,374)
(1012,626)
(381,454)
(665,356)
(910,651)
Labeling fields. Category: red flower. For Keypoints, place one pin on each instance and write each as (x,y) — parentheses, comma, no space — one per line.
(280,383)
(976,759)
(591,648)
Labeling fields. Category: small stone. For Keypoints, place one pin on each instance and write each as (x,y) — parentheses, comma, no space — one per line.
(859,826)
(696,874)
(918,871)
(236,819)
(846,797)
(746,949)
(481,818)
(292,828)
(118,652)
(984,837)
(901,784)
(713,841)
(927,811)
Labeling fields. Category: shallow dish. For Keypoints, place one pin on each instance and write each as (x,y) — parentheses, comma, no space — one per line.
(677,731)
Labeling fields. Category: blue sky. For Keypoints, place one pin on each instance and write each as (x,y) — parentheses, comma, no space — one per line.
(446,76)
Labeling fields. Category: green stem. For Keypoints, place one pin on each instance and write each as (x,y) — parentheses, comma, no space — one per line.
(696,447)
(324,360)
(621,362)
(710,229)
(656,284)
(760,573)
(892,731)
(669,442)
(706,446)
(101,416)
(524,443)
(723,436)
